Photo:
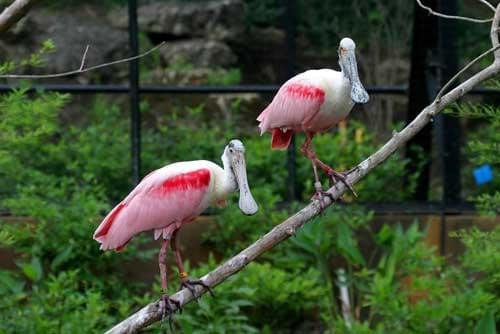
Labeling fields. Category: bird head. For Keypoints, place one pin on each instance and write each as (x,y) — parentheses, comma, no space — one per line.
(347,61)
(235,155)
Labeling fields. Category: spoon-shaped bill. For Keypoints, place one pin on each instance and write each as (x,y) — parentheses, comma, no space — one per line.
(358,92)
(246,203)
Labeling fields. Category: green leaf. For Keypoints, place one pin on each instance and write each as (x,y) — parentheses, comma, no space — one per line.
(346,244)
(32,270)
(61,258)
(486,325)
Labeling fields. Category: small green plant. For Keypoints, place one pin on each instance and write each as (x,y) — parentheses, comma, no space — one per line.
(482,148)
(36,59)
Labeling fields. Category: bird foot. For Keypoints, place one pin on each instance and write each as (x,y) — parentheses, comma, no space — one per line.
(190,285)
(334,175)
(320,195)
(167,306)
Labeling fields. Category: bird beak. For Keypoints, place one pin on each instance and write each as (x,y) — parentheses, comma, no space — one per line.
(349,65)
(246,203)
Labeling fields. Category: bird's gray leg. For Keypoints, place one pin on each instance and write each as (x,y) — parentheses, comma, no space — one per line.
(185,281)
(165,301)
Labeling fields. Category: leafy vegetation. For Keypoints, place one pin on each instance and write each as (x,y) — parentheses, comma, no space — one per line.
(482,150)
(61,178)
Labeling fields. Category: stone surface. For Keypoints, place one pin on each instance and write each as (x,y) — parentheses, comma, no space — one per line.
(220,19)
(199,53)
(71,33)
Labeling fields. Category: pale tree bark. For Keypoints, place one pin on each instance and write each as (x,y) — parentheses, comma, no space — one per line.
(152,313)
(13,13)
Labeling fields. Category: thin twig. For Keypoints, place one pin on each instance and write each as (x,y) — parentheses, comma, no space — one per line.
(83,58)
(465,68)
(488,4)
(470,19)
(80,70)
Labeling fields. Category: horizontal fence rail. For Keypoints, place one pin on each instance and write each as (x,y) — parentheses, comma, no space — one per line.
(165,89)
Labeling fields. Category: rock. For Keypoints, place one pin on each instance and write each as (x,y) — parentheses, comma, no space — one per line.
(218,19)
(71,32)
(199,53)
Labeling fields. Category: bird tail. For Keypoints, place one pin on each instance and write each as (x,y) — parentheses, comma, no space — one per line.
(281,139)
(102,236)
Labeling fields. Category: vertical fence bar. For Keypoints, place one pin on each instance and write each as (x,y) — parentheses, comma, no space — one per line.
(135,117)
(291,49)
(419,95)
(450,126)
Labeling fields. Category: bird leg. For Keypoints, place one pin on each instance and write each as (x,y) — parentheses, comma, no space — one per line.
(185,281)
(166,303)
(309,153)
(332,174)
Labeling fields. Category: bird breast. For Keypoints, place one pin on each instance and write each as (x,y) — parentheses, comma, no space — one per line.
(338,102)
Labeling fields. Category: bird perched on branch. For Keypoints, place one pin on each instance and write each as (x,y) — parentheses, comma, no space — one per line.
(172,196)
(313,102)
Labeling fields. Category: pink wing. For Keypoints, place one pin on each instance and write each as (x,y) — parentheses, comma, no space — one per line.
(295,104)
(161,200)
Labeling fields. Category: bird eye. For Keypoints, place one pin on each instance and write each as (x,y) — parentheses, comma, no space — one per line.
(231,150)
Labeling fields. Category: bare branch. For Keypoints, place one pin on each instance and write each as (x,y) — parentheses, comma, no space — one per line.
(495,26)
(465,68)
(152,313)
(83,58)
(488,4)
(470,19)
(14,13)
(81,69)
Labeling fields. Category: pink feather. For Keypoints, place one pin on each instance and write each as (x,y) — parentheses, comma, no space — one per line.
(163,200)
(295,104)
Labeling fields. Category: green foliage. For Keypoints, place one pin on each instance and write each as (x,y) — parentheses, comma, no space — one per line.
(482,148)
(36,59)
(263,298)
(64,177)
(58,304)
(224,77)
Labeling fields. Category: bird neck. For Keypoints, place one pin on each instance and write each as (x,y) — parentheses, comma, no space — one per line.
(228,182)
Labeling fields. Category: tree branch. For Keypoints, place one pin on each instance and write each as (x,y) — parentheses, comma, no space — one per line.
(14,13)
(465,68)
(81,69)
(488,4)
(470,19)
(151,313)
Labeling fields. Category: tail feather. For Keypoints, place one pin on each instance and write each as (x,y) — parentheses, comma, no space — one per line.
(281,139)
(102,236)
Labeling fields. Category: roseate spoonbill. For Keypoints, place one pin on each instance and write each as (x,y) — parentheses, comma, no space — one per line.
(313,102)
(172,196)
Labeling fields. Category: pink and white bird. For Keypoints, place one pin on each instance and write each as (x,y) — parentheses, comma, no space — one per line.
(313,102)
(172,196)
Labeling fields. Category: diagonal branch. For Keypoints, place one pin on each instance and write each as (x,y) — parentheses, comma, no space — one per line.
(81,69)
(152,313)
(14,13)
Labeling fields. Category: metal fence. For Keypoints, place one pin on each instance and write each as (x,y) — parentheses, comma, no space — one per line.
(133,89)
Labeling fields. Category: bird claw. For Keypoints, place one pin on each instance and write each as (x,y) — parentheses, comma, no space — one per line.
(320,195)
(333,175)
(190,285)
(166,305)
